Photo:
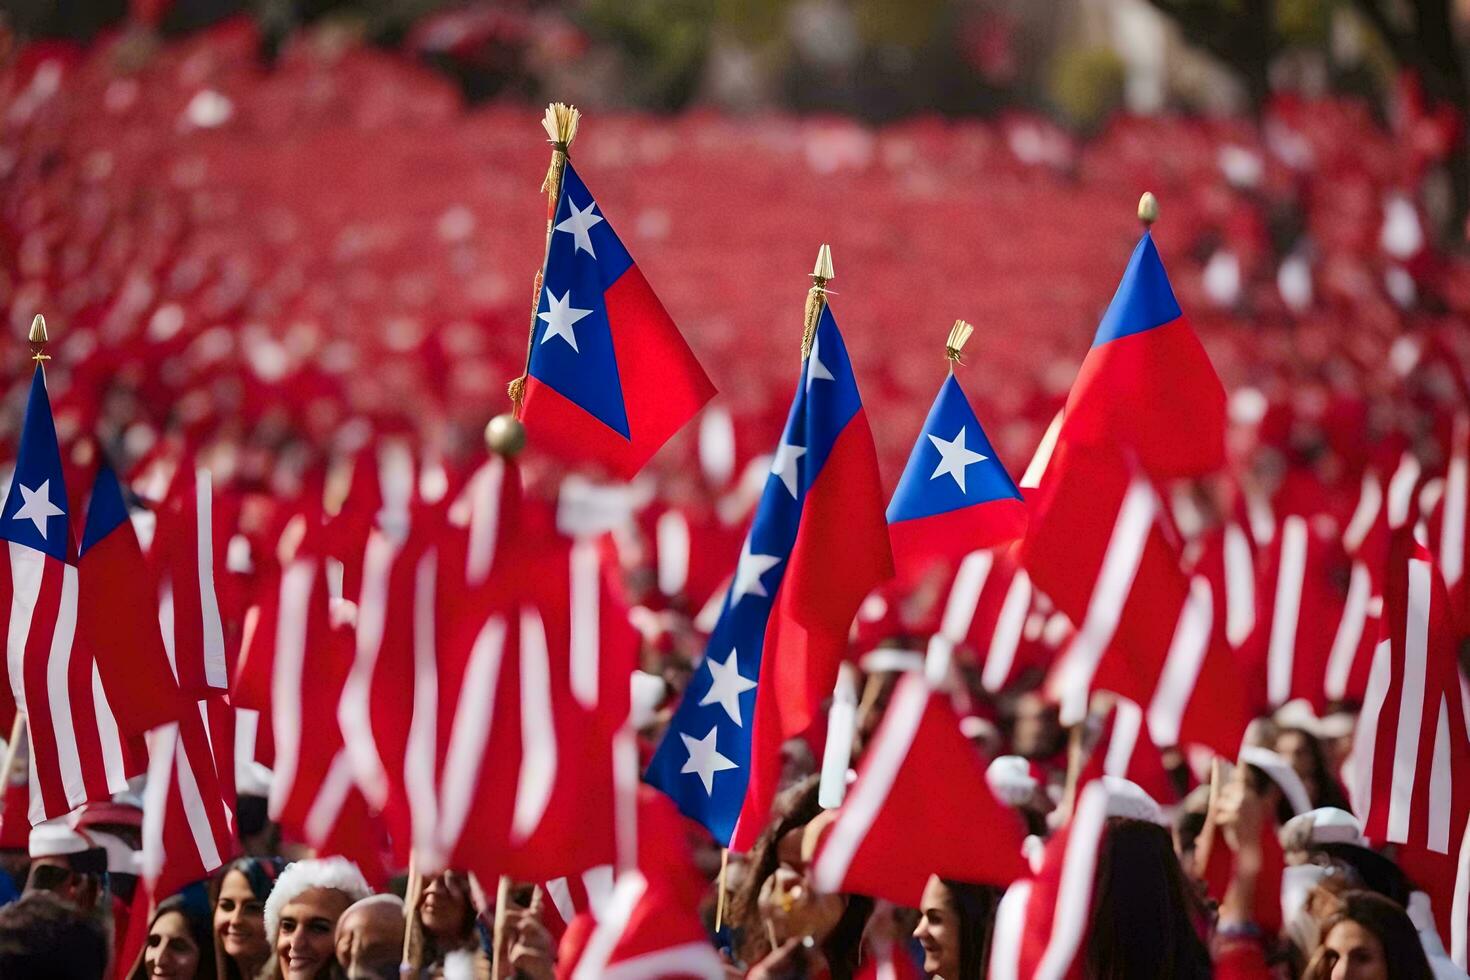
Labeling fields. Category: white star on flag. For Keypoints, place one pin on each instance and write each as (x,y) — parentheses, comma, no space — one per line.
(560,316)
(748,573)
(705,759)
(784,465)
(37,506)
(577,225)
(815,369)
(954,457)
(727,684)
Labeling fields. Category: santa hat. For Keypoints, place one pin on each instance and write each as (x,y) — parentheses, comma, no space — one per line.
(56,838)
(334,872)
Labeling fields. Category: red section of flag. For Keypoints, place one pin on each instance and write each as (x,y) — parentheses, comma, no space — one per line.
(919,771)
(188,823)
(186,547)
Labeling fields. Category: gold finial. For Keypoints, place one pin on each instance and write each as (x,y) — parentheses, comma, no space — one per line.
(38,338)
(1148,209)
(505,435)
(560,123)
(816,298)
(822,271)
(959,336)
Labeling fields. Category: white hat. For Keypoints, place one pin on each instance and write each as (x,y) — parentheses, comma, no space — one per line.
(57,838)
(1281,773)
(121,859)
(334,872)
(1010,779)
(1128,799)
(1324,825)
(891,660)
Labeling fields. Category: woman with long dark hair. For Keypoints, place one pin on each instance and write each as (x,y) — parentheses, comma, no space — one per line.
(241,949)
(1368,938)
(955,923)
(178,947)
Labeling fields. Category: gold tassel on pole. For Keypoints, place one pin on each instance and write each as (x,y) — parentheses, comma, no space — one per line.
(1148,210)
(959,336)
(816,298)
(560,123)
(38,338)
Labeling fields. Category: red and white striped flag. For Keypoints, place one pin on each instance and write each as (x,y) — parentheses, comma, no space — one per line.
(1409,771)
(188,812)
(1144,630)
(188,606)
(919,771)
(1125,750)
(573,895)
(991,608)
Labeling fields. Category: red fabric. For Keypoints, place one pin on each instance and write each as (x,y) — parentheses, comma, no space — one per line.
(186,535)
(663,388)
(919,771)
(920,543)
(841,552)
(1124,739)
(188,827)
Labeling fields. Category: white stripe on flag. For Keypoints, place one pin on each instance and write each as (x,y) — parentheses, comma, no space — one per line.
(964,593)
(331,795)
(561,899)
(610,926)
(1187,651)
(671,538)
(538,731)
(1441,781)
(201,828)
(1411,703)
(214,632)
(1349,633)
(1362,760)
(598,881)
(162,744)
(1452,517)
(1370,501)
(1460,906)
(27,566)
(1074,894)
(355,705)
(885,758)
(1401,490)
(1286,612)
(108,736)
(485,491)
(586,601)
(1010,930)
(692,959)
(421,757)
(1006,639)
(166,624)
(1240,586)
(1127,723)
(58,690)
(1109,593)
(1031,479)
(296,588)
(473,716)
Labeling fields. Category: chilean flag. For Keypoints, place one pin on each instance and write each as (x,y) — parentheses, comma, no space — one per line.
(610,377)
(1147,384)
(954,495)
(817,546)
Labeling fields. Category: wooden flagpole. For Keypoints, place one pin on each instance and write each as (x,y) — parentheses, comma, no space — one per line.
(502,899)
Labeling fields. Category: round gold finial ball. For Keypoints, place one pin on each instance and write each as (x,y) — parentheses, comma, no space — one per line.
(1148,208)
(505,435)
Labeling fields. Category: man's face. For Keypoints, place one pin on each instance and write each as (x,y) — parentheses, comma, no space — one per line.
(54,874)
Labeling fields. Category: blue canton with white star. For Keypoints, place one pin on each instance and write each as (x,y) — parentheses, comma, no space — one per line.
(703,762)
(952,465)
(35,508)
(572,349)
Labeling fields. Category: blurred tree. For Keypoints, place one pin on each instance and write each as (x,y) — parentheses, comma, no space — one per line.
(664,43)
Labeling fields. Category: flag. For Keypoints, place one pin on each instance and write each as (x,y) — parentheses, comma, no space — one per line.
(188,606)
(1409,771)
(1144,629)
(954,494)
(188,821)
(1125,750)
(1147,385)
(649,926)
(988,609)
(889,961)
(117,620)
(918,771)
(610,379)
(78,752)
(817,546)
(574,895)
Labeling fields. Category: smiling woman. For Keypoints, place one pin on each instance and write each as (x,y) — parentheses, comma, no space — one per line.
(177,947)
(241,947)
(302,911)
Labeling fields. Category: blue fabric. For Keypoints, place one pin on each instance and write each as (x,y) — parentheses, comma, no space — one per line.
(1144,299)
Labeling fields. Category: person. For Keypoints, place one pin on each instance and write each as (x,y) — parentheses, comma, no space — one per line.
(955,920)
(1145,914)
(1303,751)
(45,937)
(178,943)
(240,946)
(301,915)
(1368,938)
(68,863)
(369,939)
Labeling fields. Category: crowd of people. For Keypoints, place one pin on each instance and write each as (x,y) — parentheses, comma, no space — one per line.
(193,226)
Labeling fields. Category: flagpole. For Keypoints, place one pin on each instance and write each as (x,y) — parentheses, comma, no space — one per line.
(720,897)
(560,123)
(502,899)
(410,910)
(37,338)
(816,298)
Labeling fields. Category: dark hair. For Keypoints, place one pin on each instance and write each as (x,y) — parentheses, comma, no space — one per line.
(1388,923)
(193,904)
(260,873)
(974,906)
(1261,783)
(45,938)
(1324,787)
(801,807)
(1144,913)
(844,943)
